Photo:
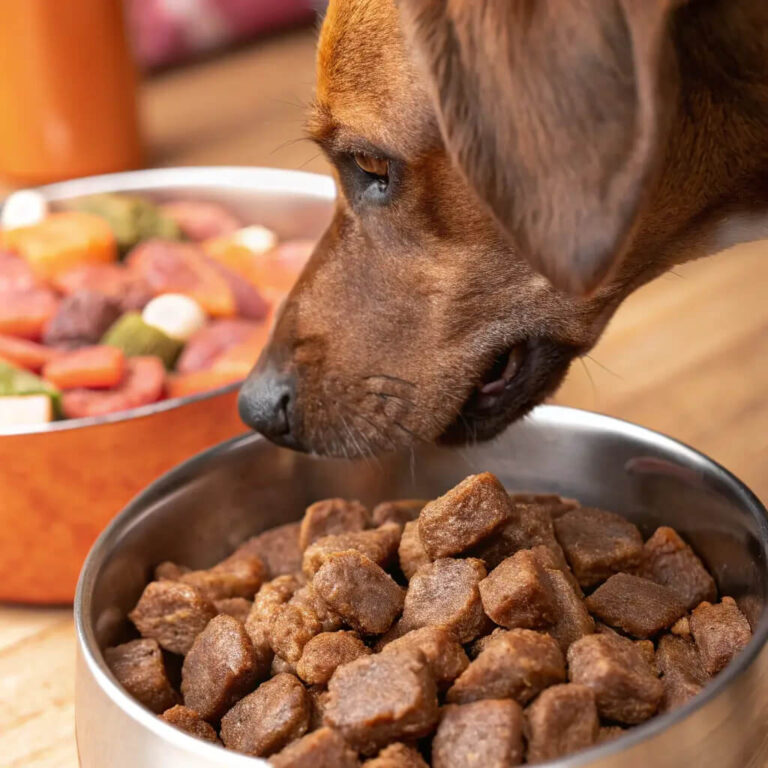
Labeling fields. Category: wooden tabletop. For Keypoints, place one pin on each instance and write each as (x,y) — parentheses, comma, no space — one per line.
(687,355)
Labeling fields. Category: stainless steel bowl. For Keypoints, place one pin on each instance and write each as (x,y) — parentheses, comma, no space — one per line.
(61,483)
(198,512)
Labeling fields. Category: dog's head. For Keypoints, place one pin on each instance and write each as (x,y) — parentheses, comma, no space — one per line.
(492,162)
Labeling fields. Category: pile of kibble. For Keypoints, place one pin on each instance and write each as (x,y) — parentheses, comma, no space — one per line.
(479,629)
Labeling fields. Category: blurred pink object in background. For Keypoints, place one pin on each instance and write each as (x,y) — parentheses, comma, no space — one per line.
(169,31)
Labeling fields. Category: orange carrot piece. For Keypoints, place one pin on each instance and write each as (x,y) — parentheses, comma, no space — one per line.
(26,313)
(62,241)
(26,354)
(99,367)
(185,384)
(143,384)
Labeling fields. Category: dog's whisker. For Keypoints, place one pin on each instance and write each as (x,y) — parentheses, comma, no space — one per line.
(378,431)
(353,439)
(591,380)
(604,367)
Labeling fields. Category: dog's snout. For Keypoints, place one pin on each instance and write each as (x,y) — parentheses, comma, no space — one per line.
(266,403)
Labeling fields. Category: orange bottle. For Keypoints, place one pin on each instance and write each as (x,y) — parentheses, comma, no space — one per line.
(67,90)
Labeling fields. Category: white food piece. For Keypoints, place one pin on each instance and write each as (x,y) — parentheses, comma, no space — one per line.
(23,209)
(176,315)
(256,239)
(20,410)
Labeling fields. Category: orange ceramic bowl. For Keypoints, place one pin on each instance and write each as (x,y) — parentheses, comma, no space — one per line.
(60,484)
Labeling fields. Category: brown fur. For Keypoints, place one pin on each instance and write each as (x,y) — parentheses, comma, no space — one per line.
(600,144)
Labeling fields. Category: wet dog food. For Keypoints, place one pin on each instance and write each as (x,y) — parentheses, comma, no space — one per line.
(93,285)
(563,719)
(487,733)
(265,721)
(479,629)
(188,720)
(396,756)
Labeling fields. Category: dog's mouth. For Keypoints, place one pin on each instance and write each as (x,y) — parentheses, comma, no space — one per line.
(517,379)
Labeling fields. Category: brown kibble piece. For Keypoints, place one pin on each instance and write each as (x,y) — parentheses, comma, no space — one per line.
(281,665)
(479,645)
(562,720)
(646,647)
(668,560)
(401,511)
(296,622)
(626,689)
(445,656)
(573,620)
(318,696)
(516,593)
(483,734)
(554,505)
(139,668)
(168,571)
(681,672)
(637,606)
(598,544)
(268,600)
(554,560)
(238,607)
(379,544)
(361,592)
(323,748)
(720,632)
(278,549)
(263,722)
(682,627)
(446,594)
(517,664)
(239,575)
(397,755)
(172,613)
(219,668)
(187,720)
(270,597)
(411,551)
(326,651)
(528,527)
(330,517)
(470,512)
(378,699)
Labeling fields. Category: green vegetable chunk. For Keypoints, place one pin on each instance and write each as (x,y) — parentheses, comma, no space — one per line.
(15,382)
(131,334)
(131,218)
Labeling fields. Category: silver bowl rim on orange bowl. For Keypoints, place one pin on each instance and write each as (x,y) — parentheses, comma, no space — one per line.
(209,180)
(204,507)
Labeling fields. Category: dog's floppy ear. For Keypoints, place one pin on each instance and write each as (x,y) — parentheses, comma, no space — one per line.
(556,111)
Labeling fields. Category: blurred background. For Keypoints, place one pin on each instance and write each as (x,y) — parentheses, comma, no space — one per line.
(91,86)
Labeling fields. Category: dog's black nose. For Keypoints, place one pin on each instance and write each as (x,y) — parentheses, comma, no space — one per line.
(266,403)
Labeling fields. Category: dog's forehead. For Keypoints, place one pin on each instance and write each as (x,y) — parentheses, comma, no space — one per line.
(366,80)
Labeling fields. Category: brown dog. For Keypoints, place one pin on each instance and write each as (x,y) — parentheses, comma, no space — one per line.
(481,144)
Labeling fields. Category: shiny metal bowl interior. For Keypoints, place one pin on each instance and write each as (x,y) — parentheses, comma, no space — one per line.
(197,513)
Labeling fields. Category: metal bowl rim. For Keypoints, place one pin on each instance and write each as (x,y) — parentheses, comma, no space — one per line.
(544,414)
(303,183)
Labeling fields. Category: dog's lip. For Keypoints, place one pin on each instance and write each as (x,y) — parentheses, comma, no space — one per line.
(530,372)
(499,378)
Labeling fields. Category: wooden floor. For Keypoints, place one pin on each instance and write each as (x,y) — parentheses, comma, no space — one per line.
(687,355)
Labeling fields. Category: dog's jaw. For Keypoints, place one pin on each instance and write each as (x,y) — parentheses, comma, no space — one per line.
(531,371)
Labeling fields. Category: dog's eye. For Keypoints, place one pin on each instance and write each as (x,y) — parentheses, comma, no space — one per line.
(374,166)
